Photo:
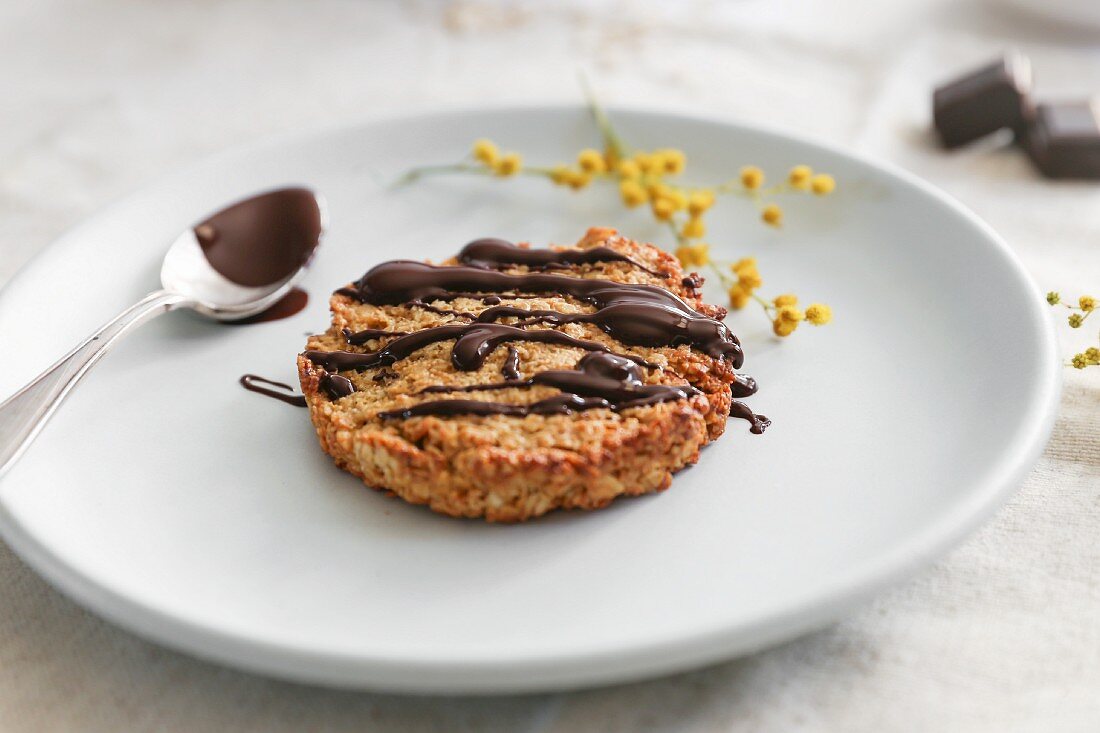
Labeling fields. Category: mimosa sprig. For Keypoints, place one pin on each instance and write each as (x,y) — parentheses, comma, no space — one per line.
(1086,306)
(652,177)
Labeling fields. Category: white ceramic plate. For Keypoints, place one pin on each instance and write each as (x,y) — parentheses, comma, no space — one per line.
(168,499)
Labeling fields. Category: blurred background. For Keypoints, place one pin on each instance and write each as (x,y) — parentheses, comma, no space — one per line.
(99,98)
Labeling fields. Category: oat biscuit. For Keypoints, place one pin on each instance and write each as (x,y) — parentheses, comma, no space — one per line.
(631,385)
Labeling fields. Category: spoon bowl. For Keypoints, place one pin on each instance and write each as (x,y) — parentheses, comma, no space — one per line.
(245,258)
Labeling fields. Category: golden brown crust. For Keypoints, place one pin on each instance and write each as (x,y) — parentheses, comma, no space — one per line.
(507,468)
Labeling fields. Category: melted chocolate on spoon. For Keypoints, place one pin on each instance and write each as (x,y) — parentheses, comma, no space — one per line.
(290,304)
(264,239)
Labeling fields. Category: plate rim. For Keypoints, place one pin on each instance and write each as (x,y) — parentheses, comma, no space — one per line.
(601,665)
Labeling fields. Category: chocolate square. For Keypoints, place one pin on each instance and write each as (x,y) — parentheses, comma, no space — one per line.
(1064,140)
(984,101)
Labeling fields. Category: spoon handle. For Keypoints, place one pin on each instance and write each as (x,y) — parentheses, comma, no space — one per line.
(23,414)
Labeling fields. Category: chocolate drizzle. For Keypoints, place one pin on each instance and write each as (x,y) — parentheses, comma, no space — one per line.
(743,386)
(759,423)
(633,314)
(600,380)
(561,404)
(510,369)
(441,311)
(332,385)
(473,345)
(248,381)
(637,315)
(358,338)
(597,374)
(335,386)
(496,254)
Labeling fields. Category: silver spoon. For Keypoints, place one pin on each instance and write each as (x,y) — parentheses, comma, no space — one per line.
(237,263)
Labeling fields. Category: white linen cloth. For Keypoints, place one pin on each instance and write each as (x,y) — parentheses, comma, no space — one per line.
(1002,635)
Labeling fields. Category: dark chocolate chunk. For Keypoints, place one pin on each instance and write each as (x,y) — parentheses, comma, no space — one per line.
(984,101)
(694,281)
(1064,140)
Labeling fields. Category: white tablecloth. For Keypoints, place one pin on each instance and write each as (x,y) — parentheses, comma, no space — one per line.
(1003,634)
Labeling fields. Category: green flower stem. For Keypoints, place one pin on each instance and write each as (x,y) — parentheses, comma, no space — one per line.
(767,306)
(614,143)
(603,122)
(735,188)
(680,238)
(1084,314)
(415,174)
(727,281)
